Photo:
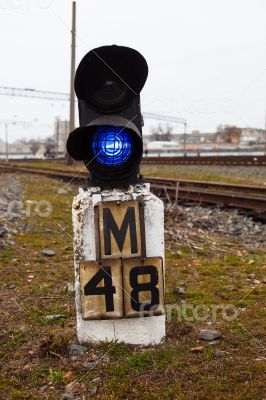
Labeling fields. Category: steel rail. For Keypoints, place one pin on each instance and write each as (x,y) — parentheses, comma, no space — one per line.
(220,199)
(207,160)
(166,188)
(156,180)
(207,184)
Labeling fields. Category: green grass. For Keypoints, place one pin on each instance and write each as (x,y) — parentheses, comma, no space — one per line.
(56,376)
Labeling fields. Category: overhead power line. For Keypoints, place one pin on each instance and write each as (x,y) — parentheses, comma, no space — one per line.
(33,93)
(163,117)
(60,96)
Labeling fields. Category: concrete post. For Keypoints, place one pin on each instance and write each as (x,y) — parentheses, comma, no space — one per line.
(138,331)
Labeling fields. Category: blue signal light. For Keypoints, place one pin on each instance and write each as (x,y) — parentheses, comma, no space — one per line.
(112,145)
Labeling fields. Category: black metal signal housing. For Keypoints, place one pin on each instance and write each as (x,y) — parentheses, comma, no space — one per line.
(108,83)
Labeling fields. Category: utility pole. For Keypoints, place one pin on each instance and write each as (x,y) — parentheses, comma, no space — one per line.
(66,131)
(6,131)
(73,66)
(265,136)
(57,136)
(185,139)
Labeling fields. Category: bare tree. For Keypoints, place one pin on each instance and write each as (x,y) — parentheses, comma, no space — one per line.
(34,145)
(162,133)
(50,146)
(228,134)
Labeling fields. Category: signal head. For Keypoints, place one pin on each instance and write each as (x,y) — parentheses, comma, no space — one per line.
(109,141)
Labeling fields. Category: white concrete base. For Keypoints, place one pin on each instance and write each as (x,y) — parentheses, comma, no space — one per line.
(139,331)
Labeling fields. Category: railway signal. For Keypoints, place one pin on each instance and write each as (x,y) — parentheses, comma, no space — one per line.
(118,222)
(108,83)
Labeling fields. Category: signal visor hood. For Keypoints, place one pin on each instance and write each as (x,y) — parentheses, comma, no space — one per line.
(110,71)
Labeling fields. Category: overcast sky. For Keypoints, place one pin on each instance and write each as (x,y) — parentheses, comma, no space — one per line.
(207,59)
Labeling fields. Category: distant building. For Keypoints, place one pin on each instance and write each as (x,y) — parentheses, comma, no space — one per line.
(252,136)
(19,147)
(61,131)
(211,140)
(16,150)
(2,146)
(161,145)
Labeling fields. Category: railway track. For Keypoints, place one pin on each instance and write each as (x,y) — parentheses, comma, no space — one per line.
(250,198)
(247,161)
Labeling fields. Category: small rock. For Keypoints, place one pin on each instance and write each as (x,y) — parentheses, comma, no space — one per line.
(93,391)
(256,282)
(88,365)
(264,280)
(209,334)
(250,263)
(198,349)
(212,342)
(95,380)
(179,290)
(12,286)
(62,191)
(48,253)
(76,350)
(68,396)
(176,253)
(182,283)
(43,388)
(70,287)
(71,387)
(252,276)
(55,316)
(219,353)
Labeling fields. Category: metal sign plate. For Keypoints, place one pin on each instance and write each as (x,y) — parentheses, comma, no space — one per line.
(122,288)
(143,286)
(119,229)
(101,289)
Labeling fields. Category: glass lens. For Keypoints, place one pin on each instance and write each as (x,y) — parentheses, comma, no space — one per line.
(112,145)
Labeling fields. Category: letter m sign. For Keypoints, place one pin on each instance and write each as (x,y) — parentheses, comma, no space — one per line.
(119,229)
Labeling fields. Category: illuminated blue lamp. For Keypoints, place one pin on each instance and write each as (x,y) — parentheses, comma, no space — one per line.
(112,146)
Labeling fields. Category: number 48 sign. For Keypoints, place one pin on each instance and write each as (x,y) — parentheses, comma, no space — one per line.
(124,288)
(122,283)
